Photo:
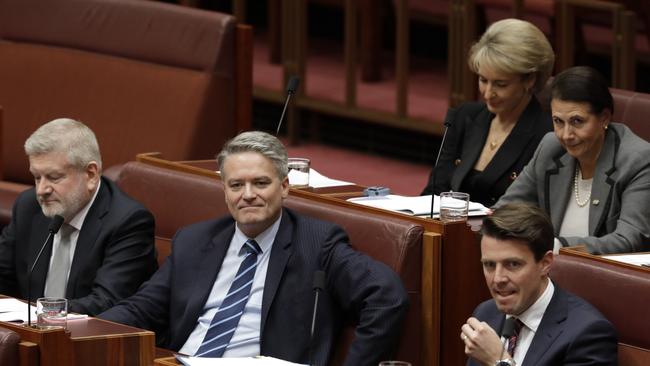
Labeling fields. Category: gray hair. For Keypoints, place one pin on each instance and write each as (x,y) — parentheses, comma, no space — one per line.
(257,141)
(68,136)
(517,47)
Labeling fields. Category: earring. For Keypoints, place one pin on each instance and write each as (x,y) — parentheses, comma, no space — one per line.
(605,127)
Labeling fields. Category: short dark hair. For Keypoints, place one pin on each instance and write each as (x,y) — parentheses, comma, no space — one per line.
(585,85)
(521,221)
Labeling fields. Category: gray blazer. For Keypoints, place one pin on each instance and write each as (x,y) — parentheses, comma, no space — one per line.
(619,213)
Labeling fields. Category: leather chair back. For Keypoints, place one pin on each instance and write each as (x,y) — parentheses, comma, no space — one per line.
(8,347)
(621,294)
(144,75)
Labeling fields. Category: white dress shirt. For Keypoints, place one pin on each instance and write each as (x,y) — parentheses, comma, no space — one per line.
(245,342)
(531,318)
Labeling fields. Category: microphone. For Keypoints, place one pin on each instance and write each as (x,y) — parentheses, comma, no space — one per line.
(319,285)
(451,115)
(55,225)
(292,86)
(507,332)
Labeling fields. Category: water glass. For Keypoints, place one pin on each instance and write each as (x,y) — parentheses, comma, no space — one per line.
(298,172)
(454,206)
(51,312)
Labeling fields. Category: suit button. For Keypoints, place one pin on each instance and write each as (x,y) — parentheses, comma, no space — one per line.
(457,162)
(513,175)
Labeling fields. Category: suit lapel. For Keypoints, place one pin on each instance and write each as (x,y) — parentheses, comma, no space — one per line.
(90,229)
(514,144)
(280,253)
(209,264)
(549,328)
(477,132)
(603,183)
(558,188)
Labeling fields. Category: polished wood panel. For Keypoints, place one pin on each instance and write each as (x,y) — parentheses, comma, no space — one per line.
(88,341)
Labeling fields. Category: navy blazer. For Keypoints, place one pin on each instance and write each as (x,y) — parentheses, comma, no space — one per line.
(467,134)
(358,289)
(115,251)
(572,332)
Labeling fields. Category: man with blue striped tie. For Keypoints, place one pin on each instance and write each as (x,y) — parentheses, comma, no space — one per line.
(242,285)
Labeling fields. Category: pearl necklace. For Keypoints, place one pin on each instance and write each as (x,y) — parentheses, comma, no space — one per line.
(576,190)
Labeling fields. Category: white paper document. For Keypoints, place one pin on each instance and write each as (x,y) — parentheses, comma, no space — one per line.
(416,205)
(636,259)
(244,361)
(317,180)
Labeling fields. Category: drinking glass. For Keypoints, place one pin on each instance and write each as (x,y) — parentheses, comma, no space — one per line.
(51,312)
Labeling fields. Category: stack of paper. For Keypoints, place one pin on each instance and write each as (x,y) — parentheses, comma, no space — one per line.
(244,361)
(418,205)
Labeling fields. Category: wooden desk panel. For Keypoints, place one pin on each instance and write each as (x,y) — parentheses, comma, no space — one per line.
(452,276)
(90,341)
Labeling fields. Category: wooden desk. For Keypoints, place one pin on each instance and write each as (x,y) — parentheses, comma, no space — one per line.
(452,278)
(89,341)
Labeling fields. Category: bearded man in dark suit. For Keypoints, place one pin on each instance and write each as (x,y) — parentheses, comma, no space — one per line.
(105,249)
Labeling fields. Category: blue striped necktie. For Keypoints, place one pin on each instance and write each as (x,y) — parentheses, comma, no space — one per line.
(225,321)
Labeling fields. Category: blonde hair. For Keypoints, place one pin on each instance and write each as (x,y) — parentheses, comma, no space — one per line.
(516,47)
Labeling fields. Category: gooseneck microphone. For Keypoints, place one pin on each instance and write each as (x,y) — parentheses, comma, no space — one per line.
(292,86)
(55,225)
(507,332)
(451,115)
(319,285)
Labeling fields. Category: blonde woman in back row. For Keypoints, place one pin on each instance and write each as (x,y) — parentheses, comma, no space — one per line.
(489,142)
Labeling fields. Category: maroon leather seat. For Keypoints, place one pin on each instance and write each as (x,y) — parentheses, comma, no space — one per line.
(632,109)
(621,294)
(8,347)
(143,75)
(177,199)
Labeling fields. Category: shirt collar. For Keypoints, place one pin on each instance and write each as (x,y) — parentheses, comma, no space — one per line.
(265,239)
(532,316)
(78,219)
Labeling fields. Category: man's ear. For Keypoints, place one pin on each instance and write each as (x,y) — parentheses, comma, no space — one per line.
(546,262)
(285,187)
(93,175)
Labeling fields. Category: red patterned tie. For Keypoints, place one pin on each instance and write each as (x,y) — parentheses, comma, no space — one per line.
(512,341)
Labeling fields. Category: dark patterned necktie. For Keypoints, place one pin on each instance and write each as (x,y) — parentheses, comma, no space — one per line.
(512,341)
(225,321)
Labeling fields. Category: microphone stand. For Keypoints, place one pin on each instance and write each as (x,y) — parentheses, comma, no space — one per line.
(450,117)
(319,285)
(54,227)
(292,86)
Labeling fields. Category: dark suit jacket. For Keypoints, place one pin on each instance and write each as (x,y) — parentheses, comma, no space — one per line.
(619,209)
(358,289)
(115,251)
(572,332)
(469,128)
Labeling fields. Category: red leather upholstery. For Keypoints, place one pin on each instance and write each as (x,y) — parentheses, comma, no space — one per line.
(8,347)
(144,75)
(621,294)
(177,199)
(632,109)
